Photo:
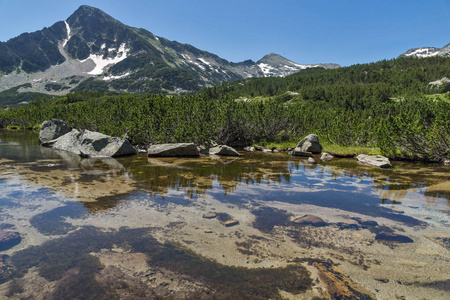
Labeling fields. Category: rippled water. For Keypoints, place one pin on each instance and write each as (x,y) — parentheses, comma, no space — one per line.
(140,219)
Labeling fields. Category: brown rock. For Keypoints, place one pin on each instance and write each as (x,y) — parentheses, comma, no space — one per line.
(230,223)
(6,271)
(310,220)
(208,231)
(210,215)
(339,285)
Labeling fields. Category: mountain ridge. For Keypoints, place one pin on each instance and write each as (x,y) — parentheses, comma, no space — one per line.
(92,50)
(423,52)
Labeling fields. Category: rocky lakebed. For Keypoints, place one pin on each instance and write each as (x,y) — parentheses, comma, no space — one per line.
(218,226)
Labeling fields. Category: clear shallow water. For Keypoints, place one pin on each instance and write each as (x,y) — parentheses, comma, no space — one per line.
(54,197)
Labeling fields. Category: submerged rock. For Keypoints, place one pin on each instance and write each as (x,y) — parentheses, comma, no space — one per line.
(51,130)
(210,215)
(230,223)
(93,144)
(9,239)
(374,160)
(340,285)
(310,220)
(392,237)
(173,150)
(311,144)
(365,222)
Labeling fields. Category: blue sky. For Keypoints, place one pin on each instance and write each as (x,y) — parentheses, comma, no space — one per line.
(316,31)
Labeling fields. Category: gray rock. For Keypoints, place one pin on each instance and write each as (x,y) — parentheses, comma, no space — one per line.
(311,144)
(446,162)
(51,130)
(249,149)
(93,144)
(326,157)
(311,161)
(374,160)
(222,150)
(299,152)
(173,150)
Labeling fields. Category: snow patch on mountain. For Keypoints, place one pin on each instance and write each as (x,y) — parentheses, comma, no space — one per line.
(422,52)
(112,77)
(68,34)
(101,63)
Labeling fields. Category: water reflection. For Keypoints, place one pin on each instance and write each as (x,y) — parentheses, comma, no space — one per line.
(96,222)
(343,184)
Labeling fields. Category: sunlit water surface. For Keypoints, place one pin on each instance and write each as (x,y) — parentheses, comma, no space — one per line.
(106,208)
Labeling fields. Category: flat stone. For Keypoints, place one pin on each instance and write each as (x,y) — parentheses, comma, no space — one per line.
(173,150)
(310,220)
(221,150)
(230,223)
(374,160)
(208,231)
(298,152)
(210,215)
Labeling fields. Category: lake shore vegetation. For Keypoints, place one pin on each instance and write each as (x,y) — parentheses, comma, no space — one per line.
(387,106)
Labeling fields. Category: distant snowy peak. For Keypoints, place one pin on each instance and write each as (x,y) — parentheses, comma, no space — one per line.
(275,65)
(427,52)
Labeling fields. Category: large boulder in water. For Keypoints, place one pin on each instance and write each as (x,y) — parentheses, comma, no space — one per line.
(311,144)
(221,150)
(93,144)
(173,150)
(51,130)
(374,160)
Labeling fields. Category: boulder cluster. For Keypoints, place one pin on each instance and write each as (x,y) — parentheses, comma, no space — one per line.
(58,135)
(85,143)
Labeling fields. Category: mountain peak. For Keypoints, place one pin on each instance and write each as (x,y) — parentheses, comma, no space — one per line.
(87,10)
(274,58)
(92,50)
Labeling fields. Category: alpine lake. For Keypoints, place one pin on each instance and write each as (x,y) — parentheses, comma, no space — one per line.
(219,227)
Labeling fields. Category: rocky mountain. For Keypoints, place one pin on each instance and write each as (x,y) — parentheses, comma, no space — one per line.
(427,52)
(93,51)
